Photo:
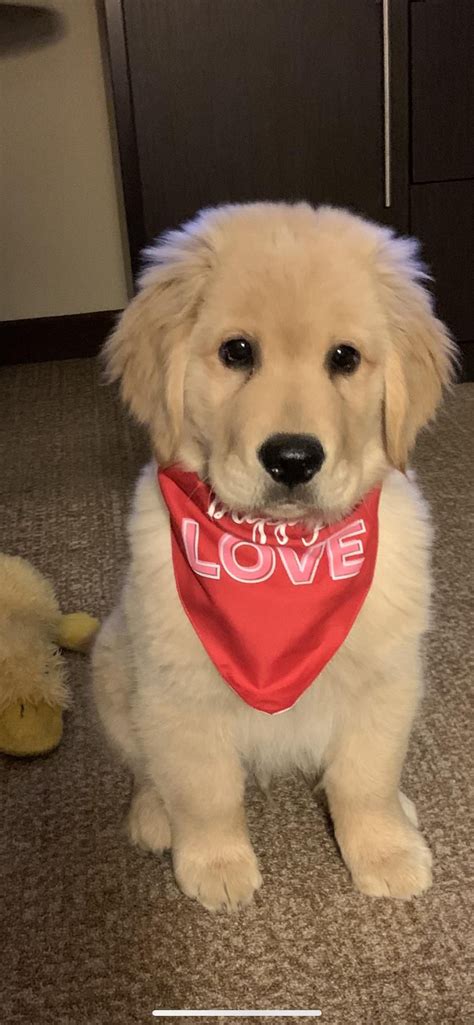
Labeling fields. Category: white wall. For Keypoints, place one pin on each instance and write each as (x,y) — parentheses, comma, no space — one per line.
(61,219)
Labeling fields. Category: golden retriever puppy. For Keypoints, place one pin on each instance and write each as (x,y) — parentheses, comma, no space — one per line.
(283,359)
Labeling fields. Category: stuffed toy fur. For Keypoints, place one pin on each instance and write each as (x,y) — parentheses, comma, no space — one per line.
(33,691)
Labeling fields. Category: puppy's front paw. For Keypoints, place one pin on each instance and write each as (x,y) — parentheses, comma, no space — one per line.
(148,825)
(399,867)
(221,880)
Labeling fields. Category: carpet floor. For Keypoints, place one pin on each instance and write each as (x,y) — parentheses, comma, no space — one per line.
(96,932)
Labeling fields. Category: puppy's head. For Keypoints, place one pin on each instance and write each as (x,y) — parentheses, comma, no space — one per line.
(288,355)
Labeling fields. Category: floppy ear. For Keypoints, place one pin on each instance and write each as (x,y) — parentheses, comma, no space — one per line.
(147,352)
(421,358)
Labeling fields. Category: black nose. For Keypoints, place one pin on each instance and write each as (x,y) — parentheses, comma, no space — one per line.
(291,459)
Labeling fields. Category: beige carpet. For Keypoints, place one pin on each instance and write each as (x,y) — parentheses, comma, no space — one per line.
(97,932)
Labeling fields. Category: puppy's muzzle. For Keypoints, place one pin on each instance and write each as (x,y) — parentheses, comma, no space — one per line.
(291,459)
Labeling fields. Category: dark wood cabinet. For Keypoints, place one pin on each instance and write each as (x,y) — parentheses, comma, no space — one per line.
(442,154)
(243,99)
(234,100)
(354,102)
(442,215)
(442,86)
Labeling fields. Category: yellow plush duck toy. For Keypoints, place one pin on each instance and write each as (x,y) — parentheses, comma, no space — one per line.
(33,691)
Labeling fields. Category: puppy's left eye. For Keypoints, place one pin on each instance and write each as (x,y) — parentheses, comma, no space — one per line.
(237,353)
(343,359)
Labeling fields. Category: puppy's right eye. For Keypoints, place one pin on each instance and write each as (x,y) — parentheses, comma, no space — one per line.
(237,353)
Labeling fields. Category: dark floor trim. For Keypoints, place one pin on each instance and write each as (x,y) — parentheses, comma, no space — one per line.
(82,334)
(44,338)
(467,357)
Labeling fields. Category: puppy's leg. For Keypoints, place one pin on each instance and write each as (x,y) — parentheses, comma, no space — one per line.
(148,824)
(111,686)
(375,823)
(147,821)
(202,781)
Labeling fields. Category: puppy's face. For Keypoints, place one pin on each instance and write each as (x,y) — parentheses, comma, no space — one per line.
(274,350)
(284,381)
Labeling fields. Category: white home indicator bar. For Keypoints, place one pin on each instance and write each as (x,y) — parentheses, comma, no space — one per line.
(237,1014)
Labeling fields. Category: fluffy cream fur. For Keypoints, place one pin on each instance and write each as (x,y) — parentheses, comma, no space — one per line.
(296,281)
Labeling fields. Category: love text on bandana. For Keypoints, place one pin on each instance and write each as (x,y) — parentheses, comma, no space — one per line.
(251,563)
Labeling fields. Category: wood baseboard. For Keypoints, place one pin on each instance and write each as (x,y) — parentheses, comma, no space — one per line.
(82,334)
(467,359)
(47,338)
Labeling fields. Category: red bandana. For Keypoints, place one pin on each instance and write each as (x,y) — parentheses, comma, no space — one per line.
(269,640)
